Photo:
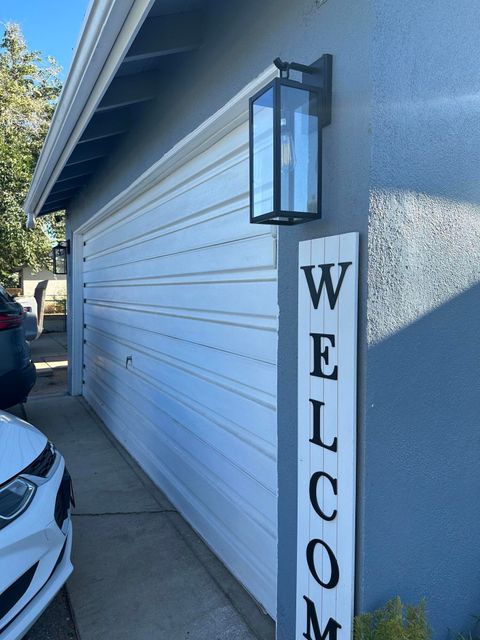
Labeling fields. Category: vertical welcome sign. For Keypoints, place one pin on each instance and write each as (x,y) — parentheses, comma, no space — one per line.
(327,361)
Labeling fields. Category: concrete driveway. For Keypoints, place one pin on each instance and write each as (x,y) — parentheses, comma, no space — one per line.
(141,572)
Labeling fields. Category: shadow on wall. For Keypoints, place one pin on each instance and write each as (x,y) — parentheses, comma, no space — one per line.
(422,465)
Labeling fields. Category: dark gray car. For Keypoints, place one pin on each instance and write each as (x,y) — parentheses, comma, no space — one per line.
(17,371)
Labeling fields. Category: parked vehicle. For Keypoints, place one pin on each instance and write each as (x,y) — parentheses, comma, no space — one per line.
(35,527)
(17,371)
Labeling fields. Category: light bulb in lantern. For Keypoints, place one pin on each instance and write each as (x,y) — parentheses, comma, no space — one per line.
(287,151)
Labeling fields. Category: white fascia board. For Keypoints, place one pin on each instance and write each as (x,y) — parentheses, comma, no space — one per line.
(108,31)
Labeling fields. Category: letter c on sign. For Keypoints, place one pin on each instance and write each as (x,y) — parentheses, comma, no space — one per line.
(313,494)
(335,574)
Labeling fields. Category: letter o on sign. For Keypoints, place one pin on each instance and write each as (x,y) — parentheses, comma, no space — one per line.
(335,572)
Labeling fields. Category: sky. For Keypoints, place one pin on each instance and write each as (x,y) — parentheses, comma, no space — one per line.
(49,26)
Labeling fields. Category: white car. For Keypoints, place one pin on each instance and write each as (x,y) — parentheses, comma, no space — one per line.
(35,527)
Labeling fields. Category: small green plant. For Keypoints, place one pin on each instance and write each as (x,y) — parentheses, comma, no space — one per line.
(474,634)
(394,621)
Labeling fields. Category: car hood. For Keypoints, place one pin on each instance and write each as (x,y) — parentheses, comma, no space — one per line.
(20,444)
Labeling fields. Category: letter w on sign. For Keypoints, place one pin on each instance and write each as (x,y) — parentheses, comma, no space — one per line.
(325,282)
(327,372)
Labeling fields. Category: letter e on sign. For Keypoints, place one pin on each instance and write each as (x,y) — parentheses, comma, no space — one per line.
(327,381)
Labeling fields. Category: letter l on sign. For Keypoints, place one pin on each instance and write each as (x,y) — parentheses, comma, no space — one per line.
(327,381)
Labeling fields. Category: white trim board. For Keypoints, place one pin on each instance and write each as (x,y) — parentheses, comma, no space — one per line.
(76,326)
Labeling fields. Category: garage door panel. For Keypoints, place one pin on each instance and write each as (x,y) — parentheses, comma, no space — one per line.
(231,297)
(221,225)
(231,402)
(219,228)
(220,463)
(117,341)
(233,369)
(256,340)
(200,170)
(201,480)
(232,551)
(194,198)
(179,280)
(247,450)
(231,256)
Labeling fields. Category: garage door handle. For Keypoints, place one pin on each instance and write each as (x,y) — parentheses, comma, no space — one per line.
(128,360)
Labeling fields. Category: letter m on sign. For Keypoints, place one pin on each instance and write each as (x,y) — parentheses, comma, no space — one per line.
(327,312)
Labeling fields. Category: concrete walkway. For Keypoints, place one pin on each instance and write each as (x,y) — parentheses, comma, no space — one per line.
(141,573)
(49,353)
(49,345)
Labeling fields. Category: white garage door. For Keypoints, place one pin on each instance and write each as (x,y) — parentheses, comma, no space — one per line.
(180,351)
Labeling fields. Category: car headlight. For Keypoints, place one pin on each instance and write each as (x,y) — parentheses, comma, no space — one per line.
(14,499)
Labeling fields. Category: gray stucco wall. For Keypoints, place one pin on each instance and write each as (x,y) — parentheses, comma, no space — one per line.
(401,167)
(422,439)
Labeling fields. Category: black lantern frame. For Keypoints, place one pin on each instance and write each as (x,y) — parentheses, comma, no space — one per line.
(318,83)
(59,254)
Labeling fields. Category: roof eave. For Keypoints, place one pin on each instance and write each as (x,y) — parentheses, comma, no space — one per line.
(107,33)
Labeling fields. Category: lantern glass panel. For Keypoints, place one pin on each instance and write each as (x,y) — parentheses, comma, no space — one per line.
(298,150)
(262,142)
(60,260)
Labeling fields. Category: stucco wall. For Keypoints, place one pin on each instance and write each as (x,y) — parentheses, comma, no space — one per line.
(422,486)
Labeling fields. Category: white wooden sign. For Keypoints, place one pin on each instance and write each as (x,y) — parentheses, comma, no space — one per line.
(327,373)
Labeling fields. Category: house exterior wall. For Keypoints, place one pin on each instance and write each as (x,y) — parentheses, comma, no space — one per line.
(419,347)
(421,485)
(240,42)
(401,168)
(240,45)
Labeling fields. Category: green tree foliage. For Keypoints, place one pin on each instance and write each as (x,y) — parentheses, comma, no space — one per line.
(29,88)
(394,621)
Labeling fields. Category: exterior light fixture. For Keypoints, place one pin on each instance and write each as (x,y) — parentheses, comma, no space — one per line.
(60,252)
(286,121)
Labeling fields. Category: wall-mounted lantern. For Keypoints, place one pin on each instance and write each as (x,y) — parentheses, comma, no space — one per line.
(286,120)
(60,252)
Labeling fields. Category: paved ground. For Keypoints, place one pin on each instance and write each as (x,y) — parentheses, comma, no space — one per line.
(49,353)
(49,344)
(141,573)
(56,623)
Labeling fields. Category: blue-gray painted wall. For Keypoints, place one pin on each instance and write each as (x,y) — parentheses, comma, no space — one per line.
(422,438)
(401,167)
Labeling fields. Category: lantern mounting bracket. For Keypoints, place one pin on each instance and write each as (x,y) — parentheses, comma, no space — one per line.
(284,67)
(318,74)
